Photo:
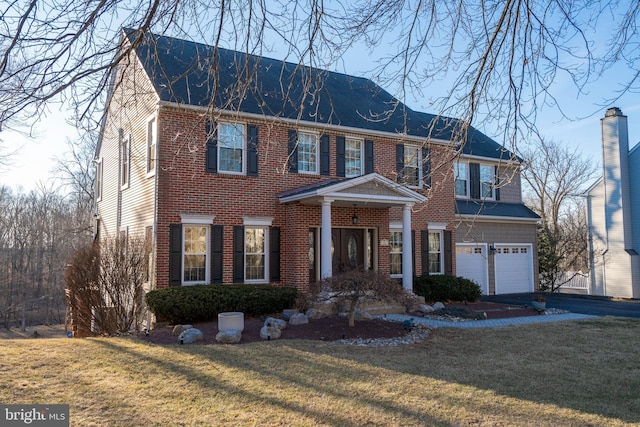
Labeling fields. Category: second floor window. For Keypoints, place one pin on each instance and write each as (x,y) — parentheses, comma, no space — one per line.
(231,147)
(412,166)
(461,175)
(151,146)
(353,157)
(487,181)
(125,161)
(307,153)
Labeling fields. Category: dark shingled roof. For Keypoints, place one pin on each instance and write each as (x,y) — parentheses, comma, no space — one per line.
(181,72)
(496,209)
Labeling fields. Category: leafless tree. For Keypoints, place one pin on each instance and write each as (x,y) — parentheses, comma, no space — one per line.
(500,59)
(555,176)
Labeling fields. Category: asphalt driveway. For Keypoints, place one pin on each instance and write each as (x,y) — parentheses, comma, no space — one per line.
(583,304)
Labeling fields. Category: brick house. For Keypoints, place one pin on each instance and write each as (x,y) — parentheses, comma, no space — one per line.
(293,174)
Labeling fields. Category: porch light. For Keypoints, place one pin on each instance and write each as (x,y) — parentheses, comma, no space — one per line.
(354,218)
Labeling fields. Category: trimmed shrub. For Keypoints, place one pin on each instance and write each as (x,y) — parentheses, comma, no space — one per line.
(200,303)
(446,288)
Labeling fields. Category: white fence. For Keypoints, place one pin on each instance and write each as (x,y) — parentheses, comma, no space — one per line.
(575,280)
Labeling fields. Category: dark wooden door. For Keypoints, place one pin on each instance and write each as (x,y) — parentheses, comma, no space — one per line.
(347,248)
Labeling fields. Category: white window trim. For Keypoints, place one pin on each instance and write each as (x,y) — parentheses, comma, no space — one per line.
(455,177)
(395,227)
(150,120)
(316,135)
(257,221)
(420,167)
(186,218)
(127,140)
(440,232)
(207,252)
(266,254)
(493,182)
(99,179)
(244,148)
(362,160)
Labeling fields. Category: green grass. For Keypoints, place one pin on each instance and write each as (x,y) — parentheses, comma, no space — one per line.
(565,373)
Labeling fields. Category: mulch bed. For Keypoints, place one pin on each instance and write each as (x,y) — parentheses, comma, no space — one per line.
(334,328)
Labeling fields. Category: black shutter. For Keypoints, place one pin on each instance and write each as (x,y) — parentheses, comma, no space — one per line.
(325,161)
(399,162)
(413,252)
(252,150)
(212,148)
(425,252)
(426,167)
(474,179)
(497,183)
(340,160)
(175,254)
(368,156)
(293,151)
(238,254)
(448,253)
(274,254)
(216,253)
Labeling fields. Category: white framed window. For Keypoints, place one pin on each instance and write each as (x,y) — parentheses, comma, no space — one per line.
(256,243)
(436,264)
(487,181)
(461,176)
(152,138)
(307,153)
(99,182)
(125,161)
(412,170)
(195,256)
(395,253)
(353,153)
(231,148)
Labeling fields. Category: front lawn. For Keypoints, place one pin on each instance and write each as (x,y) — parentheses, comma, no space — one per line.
(565,373)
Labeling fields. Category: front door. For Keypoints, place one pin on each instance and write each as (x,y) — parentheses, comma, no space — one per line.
(347,247)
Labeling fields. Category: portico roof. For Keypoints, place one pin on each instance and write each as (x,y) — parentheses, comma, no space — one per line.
(371,190)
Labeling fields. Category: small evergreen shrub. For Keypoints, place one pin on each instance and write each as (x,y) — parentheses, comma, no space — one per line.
(446,288)
(200,303)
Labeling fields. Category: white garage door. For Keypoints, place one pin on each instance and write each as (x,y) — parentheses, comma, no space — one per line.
(471,263)
(513,268)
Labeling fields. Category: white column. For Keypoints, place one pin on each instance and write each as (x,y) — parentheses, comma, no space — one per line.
(325,241)
(407,249)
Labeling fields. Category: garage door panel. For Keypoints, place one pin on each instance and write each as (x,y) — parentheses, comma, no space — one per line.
(471,263)
(513,269)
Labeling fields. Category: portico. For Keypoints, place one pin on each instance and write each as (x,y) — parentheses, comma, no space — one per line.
(368,191)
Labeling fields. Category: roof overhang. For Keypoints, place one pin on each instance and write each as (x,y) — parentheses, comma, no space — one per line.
(371,190)
(493,218)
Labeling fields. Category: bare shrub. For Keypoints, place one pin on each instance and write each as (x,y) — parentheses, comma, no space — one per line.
(355,286)
(105,286)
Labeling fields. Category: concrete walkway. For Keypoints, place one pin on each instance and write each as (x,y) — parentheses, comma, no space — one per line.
(489,323)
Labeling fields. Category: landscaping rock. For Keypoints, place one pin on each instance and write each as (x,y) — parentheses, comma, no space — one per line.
(276,323)
(287,313)
(424,308)
(360,315)
(314,313)
(270,333)
(298,319)
(438,306)
(190,336)
(178,329)
(229,336)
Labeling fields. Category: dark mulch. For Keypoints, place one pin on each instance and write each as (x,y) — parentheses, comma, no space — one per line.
(335,328)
